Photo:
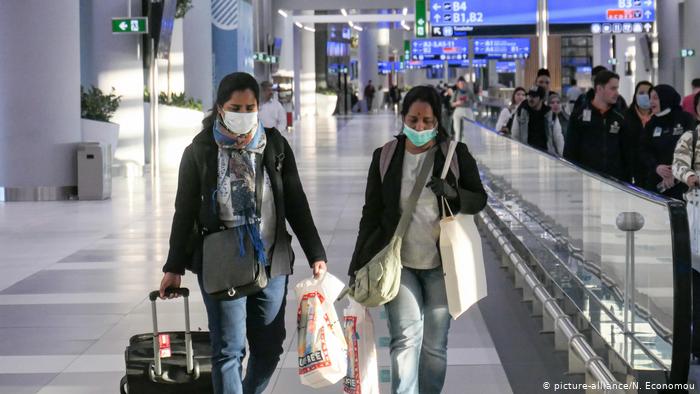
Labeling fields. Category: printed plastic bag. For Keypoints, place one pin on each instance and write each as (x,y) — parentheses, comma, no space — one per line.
(322,348)
(362,376)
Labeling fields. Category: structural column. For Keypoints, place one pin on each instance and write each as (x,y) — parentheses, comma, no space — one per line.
(690,40)
(670,66)
(304,70)
(197,44)
(368,58)
(40,104)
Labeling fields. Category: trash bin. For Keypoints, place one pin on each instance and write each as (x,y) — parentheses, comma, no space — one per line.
(94,171)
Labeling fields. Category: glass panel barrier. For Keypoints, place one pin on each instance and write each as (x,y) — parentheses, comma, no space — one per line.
(580,210)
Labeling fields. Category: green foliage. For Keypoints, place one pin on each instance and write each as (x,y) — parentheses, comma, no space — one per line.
(326,91)
(96,105)
(179,100)
(182,7)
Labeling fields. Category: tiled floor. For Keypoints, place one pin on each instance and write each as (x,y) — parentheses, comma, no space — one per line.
(76,274)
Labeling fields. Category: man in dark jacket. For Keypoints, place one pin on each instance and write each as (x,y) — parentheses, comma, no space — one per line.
(585,99)
(598,138)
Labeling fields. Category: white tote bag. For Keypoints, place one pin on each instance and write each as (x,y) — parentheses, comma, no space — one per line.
(363,375)
(462,257)
(321,347)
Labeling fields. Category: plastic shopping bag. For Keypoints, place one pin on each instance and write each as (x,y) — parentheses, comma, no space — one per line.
(693,207)
(362,376)
(322,348)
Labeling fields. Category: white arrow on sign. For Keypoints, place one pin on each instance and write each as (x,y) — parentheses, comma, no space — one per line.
(421,22)
(647,27)
(123,26)
(437,18)
(648,14)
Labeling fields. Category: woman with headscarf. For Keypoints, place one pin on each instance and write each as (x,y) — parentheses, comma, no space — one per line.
(661,134)
(238,176)
(637,116)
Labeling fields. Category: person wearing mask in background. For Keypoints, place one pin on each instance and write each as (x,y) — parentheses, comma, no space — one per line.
(598,139)
(272,113)
(587,97)
(217,191)
(637,116)
(661,134)
(529,124)
(369,95)
(557,122)
(418,318)
(689,100)
(544,80)
(504,123)
(463,98)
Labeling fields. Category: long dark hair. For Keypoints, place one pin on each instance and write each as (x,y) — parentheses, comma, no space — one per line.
(431,97)
(636,92)
(234,82)
(518,89)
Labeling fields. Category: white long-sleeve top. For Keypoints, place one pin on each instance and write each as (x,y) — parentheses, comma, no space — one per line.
(272,114)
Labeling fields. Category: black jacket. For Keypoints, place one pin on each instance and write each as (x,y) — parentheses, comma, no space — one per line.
(195,217)
(585,100)
(636,130)
(382,210)
(601,144)
(657,143)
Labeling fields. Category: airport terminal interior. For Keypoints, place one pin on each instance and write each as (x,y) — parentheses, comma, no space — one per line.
(581,118)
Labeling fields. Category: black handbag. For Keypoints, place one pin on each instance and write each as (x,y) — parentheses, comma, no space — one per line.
(228,273)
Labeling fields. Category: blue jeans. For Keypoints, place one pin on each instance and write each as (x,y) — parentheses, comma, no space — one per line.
(418,324)
(260,318)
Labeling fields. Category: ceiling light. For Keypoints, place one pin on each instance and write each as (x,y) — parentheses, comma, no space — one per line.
(281,12)
(311,29)
(358,28)
(299,25)
(351,24)
(405,11)
(342,11)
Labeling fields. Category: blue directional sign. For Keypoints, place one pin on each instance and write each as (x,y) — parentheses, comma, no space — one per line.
(602,16)
(462,17)
(439,49)
(463,63)
(506,67)
(502,48)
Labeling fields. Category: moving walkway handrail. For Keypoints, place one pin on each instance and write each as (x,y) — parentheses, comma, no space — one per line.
(681,257)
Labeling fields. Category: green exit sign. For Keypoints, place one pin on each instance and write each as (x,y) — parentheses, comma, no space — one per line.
(130,25)
(421,20)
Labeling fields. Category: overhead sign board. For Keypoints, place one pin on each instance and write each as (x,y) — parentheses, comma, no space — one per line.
(440,49)
(502,48)
(601,16)
(468,17)
(137,25)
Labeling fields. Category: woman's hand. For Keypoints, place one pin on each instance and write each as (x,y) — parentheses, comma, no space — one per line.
(170,280)
(441,188)
(319,268)
(664,171)
(693,181)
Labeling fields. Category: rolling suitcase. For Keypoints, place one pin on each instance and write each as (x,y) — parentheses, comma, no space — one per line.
(168,362)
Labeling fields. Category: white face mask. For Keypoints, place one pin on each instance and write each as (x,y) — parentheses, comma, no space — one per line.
(240,122)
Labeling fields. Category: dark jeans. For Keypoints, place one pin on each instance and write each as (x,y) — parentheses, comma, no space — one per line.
(260,319)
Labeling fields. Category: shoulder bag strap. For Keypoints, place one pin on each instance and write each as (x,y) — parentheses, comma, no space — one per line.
(385,157)
(692,149)
(407,214)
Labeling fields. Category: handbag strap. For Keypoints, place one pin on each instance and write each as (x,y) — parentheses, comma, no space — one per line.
(445,169)
(407,214)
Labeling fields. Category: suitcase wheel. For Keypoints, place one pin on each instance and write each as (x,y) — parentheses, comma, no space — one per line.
(124,386)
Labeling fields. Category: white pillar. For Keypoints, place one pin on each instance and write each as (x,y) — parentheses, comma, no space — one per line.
(197,53)
(670,66)
(116,62)
(306,75)
(626,49)
(368,59)
(40,104)
(601,50)
(690,40)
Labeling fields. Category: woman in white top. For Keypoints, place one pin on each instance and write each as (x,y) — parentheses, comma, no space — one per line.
(418,317)
(507,112)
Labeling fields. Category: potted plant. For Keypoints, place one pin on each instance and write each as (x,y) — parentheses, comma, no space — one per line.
(96,109)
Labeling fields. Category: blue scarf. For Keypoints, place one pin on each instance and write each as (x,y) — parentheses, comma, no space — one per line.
(235,194)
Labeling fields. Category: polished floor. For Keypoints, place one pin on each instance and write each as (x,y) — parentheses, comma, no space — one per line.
(76,276)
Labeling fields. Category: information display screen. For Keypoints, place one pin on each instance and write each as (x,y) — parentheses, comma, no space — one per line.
(601,16)
(439,49)
(506,67)
(464,63)
(387,67)
(462,17)
(502,48)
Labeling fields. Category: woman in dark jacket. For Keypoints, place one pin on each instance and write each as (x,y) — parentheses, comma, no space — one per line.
(418,360)
(217,190)
(637,116)
(658,143)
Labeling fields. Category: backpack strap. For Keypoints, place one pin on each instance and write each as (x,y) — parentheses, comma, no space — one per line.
(454,163)
(385,157)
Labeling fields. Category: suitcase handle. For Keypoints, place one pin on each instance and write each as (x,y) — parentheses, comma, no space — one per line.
(153,296)
(183,291)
